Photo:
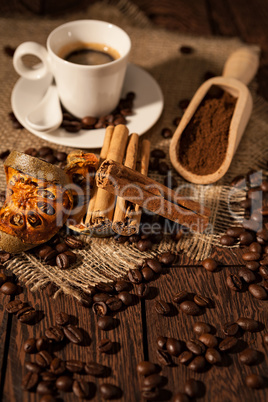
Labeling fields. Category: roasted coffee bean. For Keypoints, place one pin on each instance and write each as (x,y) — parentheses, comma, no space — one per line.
(72,126)
(162,307)
(126,298)
(247,275)
(75,366)
(201,328)
(185,357)
(48,398)
(248,324)
(31,151)
(163,168)
(74,334)
(161,342)
(202,301)
(183,103)
(190,308)
(72,256)
(50,257)
(30,380)
(114,303)
(254,381)
(226,240)
(234,282)
(151,395)
(158,153)
(246,204)
(180,296)
(212,356)
(263,271)
(167,258)
(95,369)
(144,245)
(14,306)
(135,276)
(81,389)
(109,391)
(3,278)
(230,328)
(265,339)
(88,122)
(192,388)
(154,265)
(209,340)
(195,346)
(249,356)
(246,239)
(43,359)
(166,133)
(85,301)
(143,290)
(262,236)
(4,257)
(265,285)
(210,264)
(9,288)
(251,256)
(105,345)
(180,397)
(164,357)
(26,314)
(252,265)
(49,158)
(33,367)
(44,250)
(239,181)
(62,318)
(54,333)
(62,261)
(105,287)
(258,291)
(73,242)
(153,165)
(29,346)
(57,366)
(152,381)
(61,247)
(121,285)
(48,376)
(235,231)
(197,364)
(264,261)
(121,239)
(255,248)
(64,383)
(146,368)
(42,343)
(45,387)
(147,273)
(43,151)
(61,156)
(100,309)
(106,323)
(228,343)
(173,346)
(186,49)
(101,297)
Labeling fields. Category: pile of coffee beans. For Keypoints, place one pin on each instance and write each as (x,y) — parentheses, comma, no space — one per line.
(49,155)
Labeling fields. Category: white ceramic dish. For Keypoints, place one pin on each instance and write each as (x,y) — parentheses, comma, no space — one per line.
(148,106)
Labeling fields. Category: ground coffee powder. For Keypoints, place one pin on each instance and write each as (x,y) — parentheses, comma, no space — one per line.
(203,143)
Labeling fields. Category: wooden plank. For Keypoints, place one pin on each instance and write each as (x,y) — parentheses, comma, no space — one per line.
(123,363)
(224,383)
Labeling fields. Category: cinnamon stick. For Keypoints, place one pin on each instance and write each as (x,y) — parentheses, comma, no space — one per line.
(137,188)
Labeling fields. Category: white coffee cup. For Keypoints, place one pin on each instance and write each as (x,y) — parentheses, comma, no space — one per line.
(84,90)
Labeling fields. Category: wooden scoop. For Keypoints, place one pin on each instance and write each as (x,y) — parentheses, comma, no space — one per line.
(238,71)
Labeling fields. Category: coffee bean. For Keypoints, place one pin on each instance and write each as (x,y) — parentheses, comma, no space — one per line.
(100,309)
(265,339)
(234,282)
(101,297)
(151,395)
(146,368)
(121,285)
(3,278)
(152,381)
(201,328)
(61,156)
(210,264)
(9,288)
(57,366)
(126,298)
(105,287)
(72,256)
(72,126)
(161,342)
(262,236)
(246,239)
(14,306)
(164,357)
(43,151)
(254,381)
(153,165)
(189,307)
(209,340)
(228,343)
(258,291)
(186,50)
(95,369)
(62,261)
(192,388)
(226,240)
(114,303)
(212,356)
(42,343)
(252,265)
(251,256)
(4,256)
(248,324)
(33,367)
(255,248)
(50,257)
(26,314)
(74,334)
(197,364)
(106,323)
(43,359)
(81,389)
(173,346)
(147,273)
(163,168)
(143,290)
(54,333)
(109,391)
(167,258)
(105,345)
(62,318)
(166,133)
(235,231)
(158,153)
(45,387)
(48,376)
(44,250)
(263,271)
(202,301)
(185,357)
(135,276)
(75,366)
(230,328)
(154,265)
(64,383)
(30,380)
(180,397)
(183,103)
(264,261)
(48,398)
(249,356)
(195,346)
(180,296)
(29,345)
(162,307)
(73,242)
(247,275)
(144,245)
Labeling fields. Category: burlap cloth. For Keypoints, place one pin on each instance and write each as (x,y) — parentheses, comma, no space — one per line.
(179,76)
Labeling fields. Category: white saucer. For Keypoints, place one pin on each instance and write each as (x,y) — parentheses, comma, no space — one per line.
(148,106)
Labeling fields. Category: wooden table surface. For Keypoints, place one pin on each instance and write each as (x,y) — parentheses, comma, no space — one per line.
(139,325)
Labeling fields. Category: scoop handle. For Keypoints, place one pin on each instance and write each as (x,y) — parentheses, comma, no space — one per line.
(242,64)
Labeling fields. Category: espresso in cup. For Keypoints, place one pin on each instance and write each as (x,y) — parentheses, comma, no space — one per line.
(89,54)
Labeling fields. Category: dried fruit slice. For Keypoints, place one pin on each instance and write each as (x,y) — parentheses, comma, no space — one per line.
(37,203)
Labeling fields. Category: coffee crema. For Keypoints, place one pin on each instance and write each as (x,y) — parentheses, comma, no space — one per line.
(89,54)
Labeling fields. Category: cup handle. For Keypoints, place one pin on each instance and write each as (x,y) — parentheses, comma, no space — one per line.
(35,72)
